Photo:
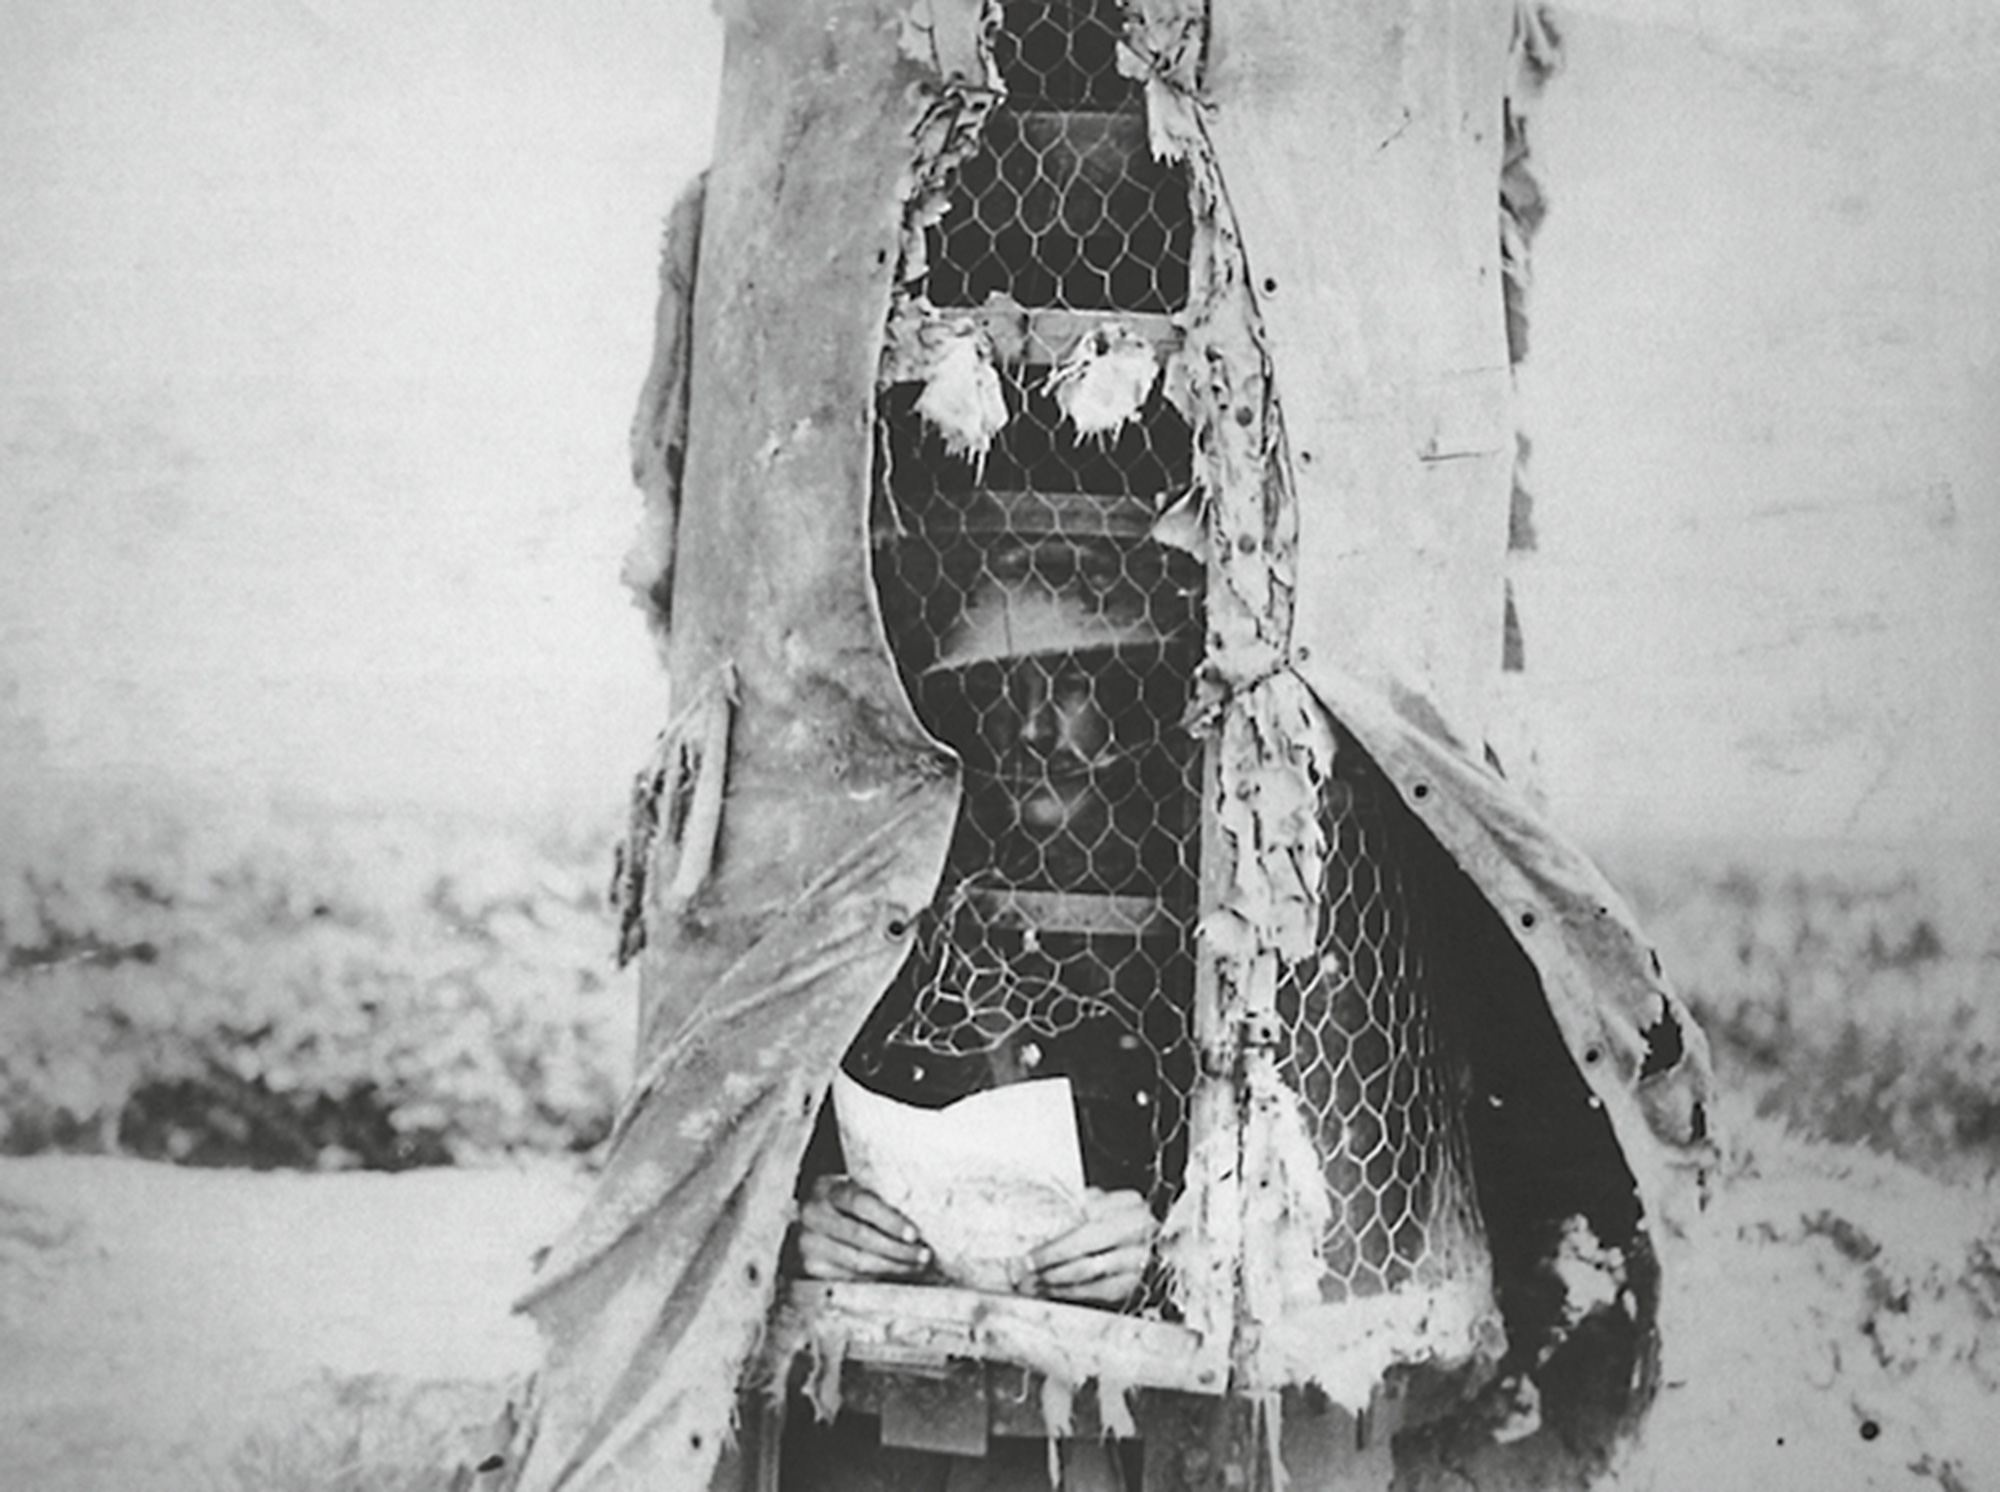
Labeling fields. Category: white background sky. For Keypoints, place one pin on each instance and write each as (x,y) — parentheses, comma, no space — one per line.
(323,325)
(1765,400)
(323,321)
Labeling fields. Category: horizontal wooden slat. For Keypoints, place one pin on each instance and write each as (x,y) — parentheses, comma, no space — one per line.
(1044,337)
(1074,514)
(1067,911)
(1035,336)
(916,1325)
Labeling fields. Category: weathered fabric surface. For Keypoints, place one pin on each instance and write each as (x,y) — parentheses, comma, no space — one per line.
(804,814)
(659,426)
(1379,288)
(834,806)
(1386,338)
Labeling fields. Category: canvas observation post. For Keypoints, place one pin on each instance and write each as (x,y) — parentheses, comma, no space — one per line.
(1144,367)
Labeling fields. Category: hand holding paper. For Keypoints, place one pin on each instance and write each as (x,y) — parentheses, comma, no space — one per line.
(985,1181)
(846,1232)
(1102,1260)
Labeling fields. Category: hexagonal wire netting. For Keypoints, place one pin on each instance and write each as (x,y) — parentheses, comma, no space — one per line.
(1373,1042)
(1052,642)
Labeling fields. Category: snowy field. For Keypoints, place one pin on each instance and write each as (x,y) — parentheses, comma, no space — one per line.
(204,1329)
(442,992)
(1832,1321)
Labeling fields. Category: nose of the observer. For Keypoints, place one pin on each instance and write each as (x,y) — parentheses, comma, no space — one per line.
(1059,715)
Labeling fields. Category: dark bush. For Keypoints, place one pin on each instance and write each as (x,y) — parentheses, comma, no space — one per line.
(327,994)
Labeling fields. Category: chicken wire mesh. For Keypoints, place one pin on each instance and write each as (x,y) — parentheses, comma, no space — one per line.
(1052,645)
(983,1003)
(1044,635)
(1063,54)
(1065,208)
(1064,203)
(1372,1046)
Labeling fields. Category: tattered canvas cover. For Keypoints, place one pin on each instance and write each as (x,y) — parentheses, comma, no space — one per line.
(803,814)
(835,807)
(1381,287)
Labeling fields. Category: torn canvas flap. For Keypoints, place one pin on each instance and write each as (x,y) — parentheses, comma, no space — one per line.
(659,425)
(1380,296)
(833,807)
(949,37)
(1379,312)
(654,1299)
(1600,980)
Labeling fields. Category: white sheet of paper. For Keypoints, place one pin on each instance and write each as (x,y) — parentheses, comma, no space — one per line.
(985,1179)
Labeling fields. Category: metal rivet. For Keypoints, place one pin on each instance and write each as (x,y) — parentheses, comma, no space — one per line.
(1262,1031)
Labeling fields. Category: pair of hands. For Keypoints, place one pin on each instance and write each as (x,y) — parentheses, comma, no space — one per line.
(846,1232)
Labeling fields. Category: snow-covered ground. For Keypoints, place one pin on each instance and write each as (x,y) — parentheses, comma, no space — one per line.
(174,1328)
(1832,1321)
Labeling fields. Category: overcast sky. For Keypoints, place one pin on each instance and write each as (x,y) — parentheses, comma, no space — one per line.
(323,326)
(324,318)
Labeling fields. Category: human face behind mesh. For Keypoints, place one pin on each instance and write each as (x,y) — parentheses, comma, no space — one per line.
(1049,734)
(1067,771)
